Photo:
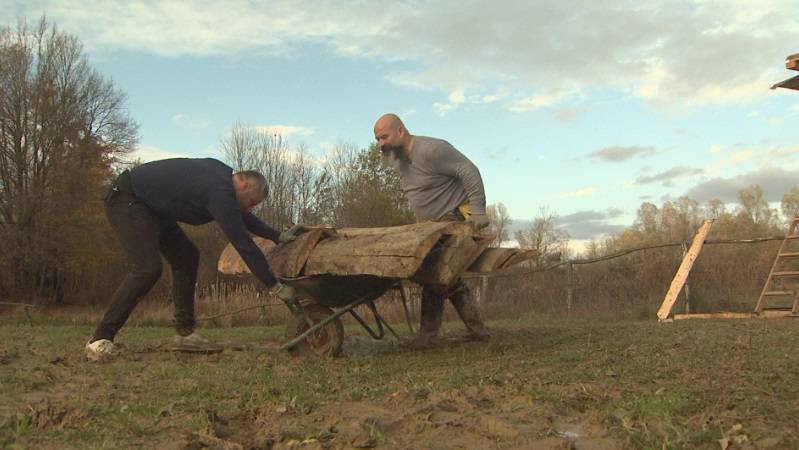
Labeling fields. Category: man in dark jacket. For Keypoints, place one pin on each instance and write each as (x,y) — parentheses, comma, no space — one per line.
(144,206)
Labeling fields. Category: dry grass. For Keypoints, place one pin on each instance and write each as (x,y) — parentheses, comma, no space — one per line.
(554,383)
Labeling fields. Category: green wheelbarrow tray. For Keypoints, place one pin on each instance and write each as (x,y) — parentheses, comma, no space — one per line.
(339,291)
(321,301)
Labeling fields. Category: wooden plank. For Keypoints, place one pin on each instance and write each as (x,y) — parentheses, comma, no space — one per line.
(790,83)
(682,273)
(395,252)
(518,257)
(766,314)
(792,62)
(491,259)
(790,273)
(449,258)
(716,315)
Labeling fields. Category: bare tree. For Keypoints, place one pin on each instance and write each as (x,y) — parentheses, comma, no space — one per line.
(500,221)
(543,235)
(61,126)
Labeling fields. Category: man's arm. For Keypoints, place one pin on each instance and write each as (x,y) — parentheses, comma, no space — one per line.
(449,161)
(258,227)
(227,214)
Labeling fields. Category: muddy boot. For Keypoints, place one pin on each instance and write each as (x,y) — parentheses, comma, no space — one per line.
(430,324)
(466,306)
(193,343)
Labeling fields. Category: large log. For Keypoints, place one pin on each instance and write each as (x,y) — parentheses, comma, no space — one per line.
(393,252)
(286,260)
(449,258)
(230,263)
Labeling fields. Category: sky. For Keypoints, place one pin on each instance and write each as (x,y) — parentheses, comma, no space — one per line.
(582,108)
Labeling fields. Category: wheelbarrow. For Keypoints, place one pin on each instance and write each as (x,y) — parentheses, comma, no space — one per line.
(315,326)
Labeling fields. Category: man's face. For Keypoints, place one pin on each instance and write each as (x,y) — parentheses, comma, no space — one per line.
(248,198)
(389,139)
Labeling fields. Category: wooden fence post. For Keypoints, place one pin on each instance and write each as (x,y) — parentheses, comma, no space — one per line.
(570,288)
(687,287)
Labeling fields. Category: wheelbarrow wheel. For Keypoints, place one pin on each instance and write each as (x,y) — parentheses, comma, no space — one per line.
(325,342)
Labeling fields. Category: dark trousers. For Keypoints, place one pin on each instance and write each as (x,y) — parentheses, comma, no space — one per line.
(145,237)
(462,299)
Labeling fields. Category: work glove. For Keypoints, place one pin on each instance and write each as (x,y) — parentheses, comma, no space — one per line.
(291,234)
(479,221)
(285,292)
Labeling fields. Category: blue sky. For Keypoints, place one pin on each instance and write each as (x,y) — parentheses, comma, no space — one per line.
(586,108)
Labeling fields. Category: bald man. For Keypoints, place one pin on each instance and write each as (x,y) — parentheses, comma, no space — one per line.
(441,184)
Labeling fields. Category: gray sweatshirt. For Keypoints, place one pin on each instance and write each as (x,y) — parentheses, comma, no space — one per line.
(438,178)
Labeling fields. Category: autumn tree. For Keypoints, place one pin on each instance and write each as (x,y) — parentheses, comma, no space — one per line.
(369,193)
(62,125)
(790,204)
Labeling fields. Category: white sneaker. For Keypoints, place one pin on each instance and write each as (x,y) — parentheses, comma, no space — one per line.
(194,343)
(99,350)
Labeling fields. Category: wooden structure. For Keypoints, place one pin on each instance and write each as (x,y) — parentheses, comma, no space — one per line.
(792,63)
(682,273)
(783,279)
(427,253)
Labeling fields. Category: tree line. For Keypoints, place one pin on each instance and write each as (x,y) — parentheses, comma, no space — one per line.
(65,134)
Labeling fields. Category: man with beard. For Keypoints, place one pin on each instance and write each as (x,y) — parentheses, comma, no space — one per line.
(144,206)
(441,184)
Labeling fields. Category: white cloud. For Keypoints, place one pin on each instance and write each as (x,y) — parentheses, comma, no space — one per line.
(148,153)
(781,152)
(500,93)
(742,156)
(456,99)
(284,131)
(636,48)
(540,100)
(715,149)
(584,192)
(185,121)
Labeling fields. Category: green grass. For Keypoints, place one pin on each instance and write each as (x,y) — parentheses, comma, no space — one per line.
(641,384)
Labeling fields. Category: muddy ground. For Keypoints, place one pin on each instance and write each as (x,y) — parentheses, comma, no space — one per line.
(537,384)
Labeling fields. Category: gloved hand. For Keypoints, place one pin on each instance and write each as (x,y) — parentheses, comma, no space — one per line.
(292,233)
(285,292)
(479,221)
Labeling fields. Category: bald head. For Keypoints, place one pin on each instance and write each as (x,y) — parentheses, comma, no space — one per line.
(389,120)
(392,136)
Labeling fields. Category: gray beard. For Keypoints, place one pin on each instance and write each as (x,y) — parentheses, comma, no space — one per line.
(394,157)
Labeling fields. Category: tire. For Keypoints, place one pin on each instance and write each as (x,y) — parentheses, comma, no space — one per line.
(325,342)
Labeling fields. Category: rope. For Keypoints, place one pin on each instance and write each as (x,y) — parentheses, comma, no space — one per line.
(511,272)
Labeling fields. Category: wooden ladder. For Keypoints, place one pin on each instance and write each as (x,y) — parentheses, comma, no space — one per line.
(779,272)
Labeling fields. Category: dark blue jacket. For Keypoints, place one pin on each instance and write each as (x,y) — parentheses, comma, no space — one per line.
(197,191)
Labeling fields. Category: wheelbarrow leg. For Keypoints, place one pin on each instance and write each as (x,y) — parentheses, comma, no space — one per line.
(381,322)
(405,307)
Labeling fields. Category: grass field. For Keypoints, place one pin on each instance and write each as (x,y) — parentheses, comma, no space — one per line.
(539,383)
